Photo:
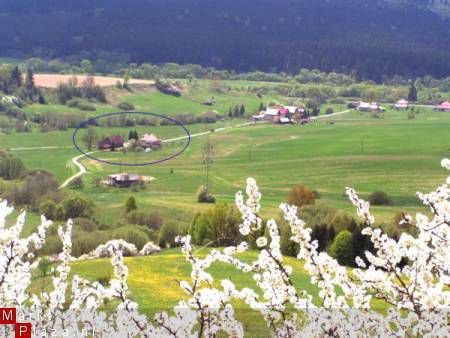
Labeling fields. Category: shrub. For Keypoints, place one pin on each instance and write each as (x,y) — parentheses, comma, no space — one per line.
(77,206)
(53,245)
(329,111)
(379,198)
(44,266)
(60,213)
(130,204)
(36,185)
(342,248)
(11,168)
(73,102)
(288,247)
(85,224)
(104,280)
(324,234)
(83,242)
(167,234)
(361,245)
(150,219)
(342,221)
(48,209)
(301,195)
(77,183)
(86,106)
(218,225)
(125,106)
(208,117)
(135,236)
(203,196)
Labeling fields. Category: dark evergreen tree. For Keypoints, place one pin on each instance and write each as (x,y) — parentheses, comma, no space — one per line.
(242,110)
(15,80)
(412,94)
(30,87)
(236,111)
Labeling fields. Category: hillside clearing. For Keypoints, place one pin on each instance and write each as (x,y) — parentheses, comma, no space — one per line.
(52,80)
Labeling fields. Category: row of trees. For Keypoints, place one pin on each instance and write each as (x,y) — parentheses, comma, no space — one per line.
(87,89)
(13,82)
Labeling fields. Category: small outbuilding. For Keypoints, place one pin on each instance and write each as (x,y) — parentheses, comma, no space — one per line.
(123,180)
(401,104)
(370,107)
(150,141)
(444,106)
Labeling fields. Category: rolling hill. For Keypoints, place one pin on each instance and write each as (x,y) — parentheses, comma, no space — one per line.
(371,39)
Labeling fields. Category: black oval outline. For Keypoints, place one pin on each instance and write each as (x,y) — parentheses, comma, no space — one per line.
(178,123)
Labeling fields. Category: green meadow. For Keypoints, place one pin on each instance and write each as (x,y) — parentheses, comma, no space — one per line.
(154,282)
(393,154)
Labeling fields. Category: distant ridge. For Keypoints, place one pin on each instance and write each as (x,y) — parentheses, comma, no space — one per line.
(371,39)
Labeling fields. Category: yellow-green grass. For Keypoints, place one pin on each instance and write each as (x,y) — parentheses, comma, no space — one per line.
(153,282)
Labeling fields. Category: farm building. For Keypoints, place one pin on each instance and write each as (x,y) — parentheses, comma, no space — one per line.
(444,106)
(123,180)
(111,143)
(370,107)
(150,141)
(281,114)
(401,104)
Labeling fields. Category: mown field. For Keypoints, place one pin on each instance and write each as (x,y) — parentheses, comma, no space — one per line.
(394,154)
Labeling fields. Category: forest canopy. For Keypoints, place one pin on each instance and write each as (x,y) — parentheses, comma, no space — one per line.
(367,39)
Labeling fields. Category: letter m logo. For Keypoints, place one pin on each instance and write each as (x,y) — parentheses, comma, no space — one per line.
(7,316)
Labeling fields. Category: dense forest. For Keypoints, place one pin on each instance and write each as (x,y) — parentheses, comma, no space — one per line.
(368,39)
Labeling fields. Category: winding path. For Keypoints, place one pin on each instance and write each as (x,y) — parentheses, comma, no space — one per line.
(81,167)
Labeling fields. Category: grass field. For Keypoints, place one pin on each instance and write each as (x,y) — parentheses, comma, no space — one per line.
(393,154)
(153,282)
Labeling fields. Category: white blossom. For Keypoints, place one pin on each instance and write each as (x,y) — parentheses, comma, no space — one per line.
(411,274)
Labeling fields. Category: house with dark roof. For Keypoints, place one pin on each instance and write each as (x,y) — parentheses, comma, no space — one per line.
(280,114)
(123,180)
(111,143)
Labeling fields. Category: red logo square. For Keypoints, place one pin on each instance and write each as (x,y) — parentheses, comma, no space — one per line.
(7,316)
(22,330)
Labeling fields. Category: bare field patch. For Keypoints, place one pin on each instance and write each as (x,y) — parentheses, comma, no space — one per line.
(52,80)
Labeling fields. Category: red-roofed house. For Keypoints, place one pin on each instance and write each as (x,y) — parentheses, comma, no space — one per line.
(444,106)
(111,143)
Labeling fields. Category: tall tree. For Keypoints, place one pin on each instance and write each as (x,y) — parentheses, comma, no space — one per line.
(412,94)
(90,138)
(242,110)
(16,80)
(30,86)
